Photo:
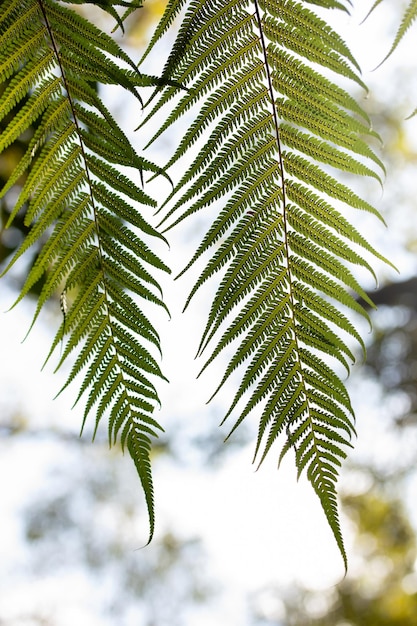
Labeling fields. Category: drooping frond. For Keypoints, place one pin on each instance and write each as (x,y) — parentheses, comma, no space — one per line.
(84,213)
(409,16)
(274,121)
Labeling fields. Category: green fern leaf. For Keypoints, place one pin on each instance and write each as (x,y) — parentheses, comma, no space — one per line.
(271,124)
(409,16)
(86,218)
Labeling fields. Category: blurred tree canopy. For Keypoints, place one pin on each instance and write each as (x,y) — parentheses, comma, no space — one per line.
(380,589)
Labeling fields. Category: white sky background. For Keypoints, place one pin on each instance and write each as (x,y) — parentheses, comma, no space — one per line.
(258,527)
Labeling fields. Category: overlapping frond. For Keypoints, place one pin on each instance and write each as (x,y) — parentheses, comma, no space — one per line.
(408,18)
(109,7)
(84,213)
(274,120)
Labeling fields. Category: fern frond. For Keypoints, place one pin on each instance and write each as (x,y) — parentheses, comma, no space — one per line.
(273,122)
(171,11)
(408,18)
(85,217)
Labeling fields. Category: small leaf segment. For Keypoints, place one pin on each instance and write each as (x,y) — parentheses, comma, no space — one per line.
(85,215)
(109,7)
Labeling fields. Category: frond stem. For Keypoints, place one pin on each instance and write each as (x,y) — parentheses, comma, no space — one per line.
(274,108)
(278,141)
(284,209)
(71,104)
